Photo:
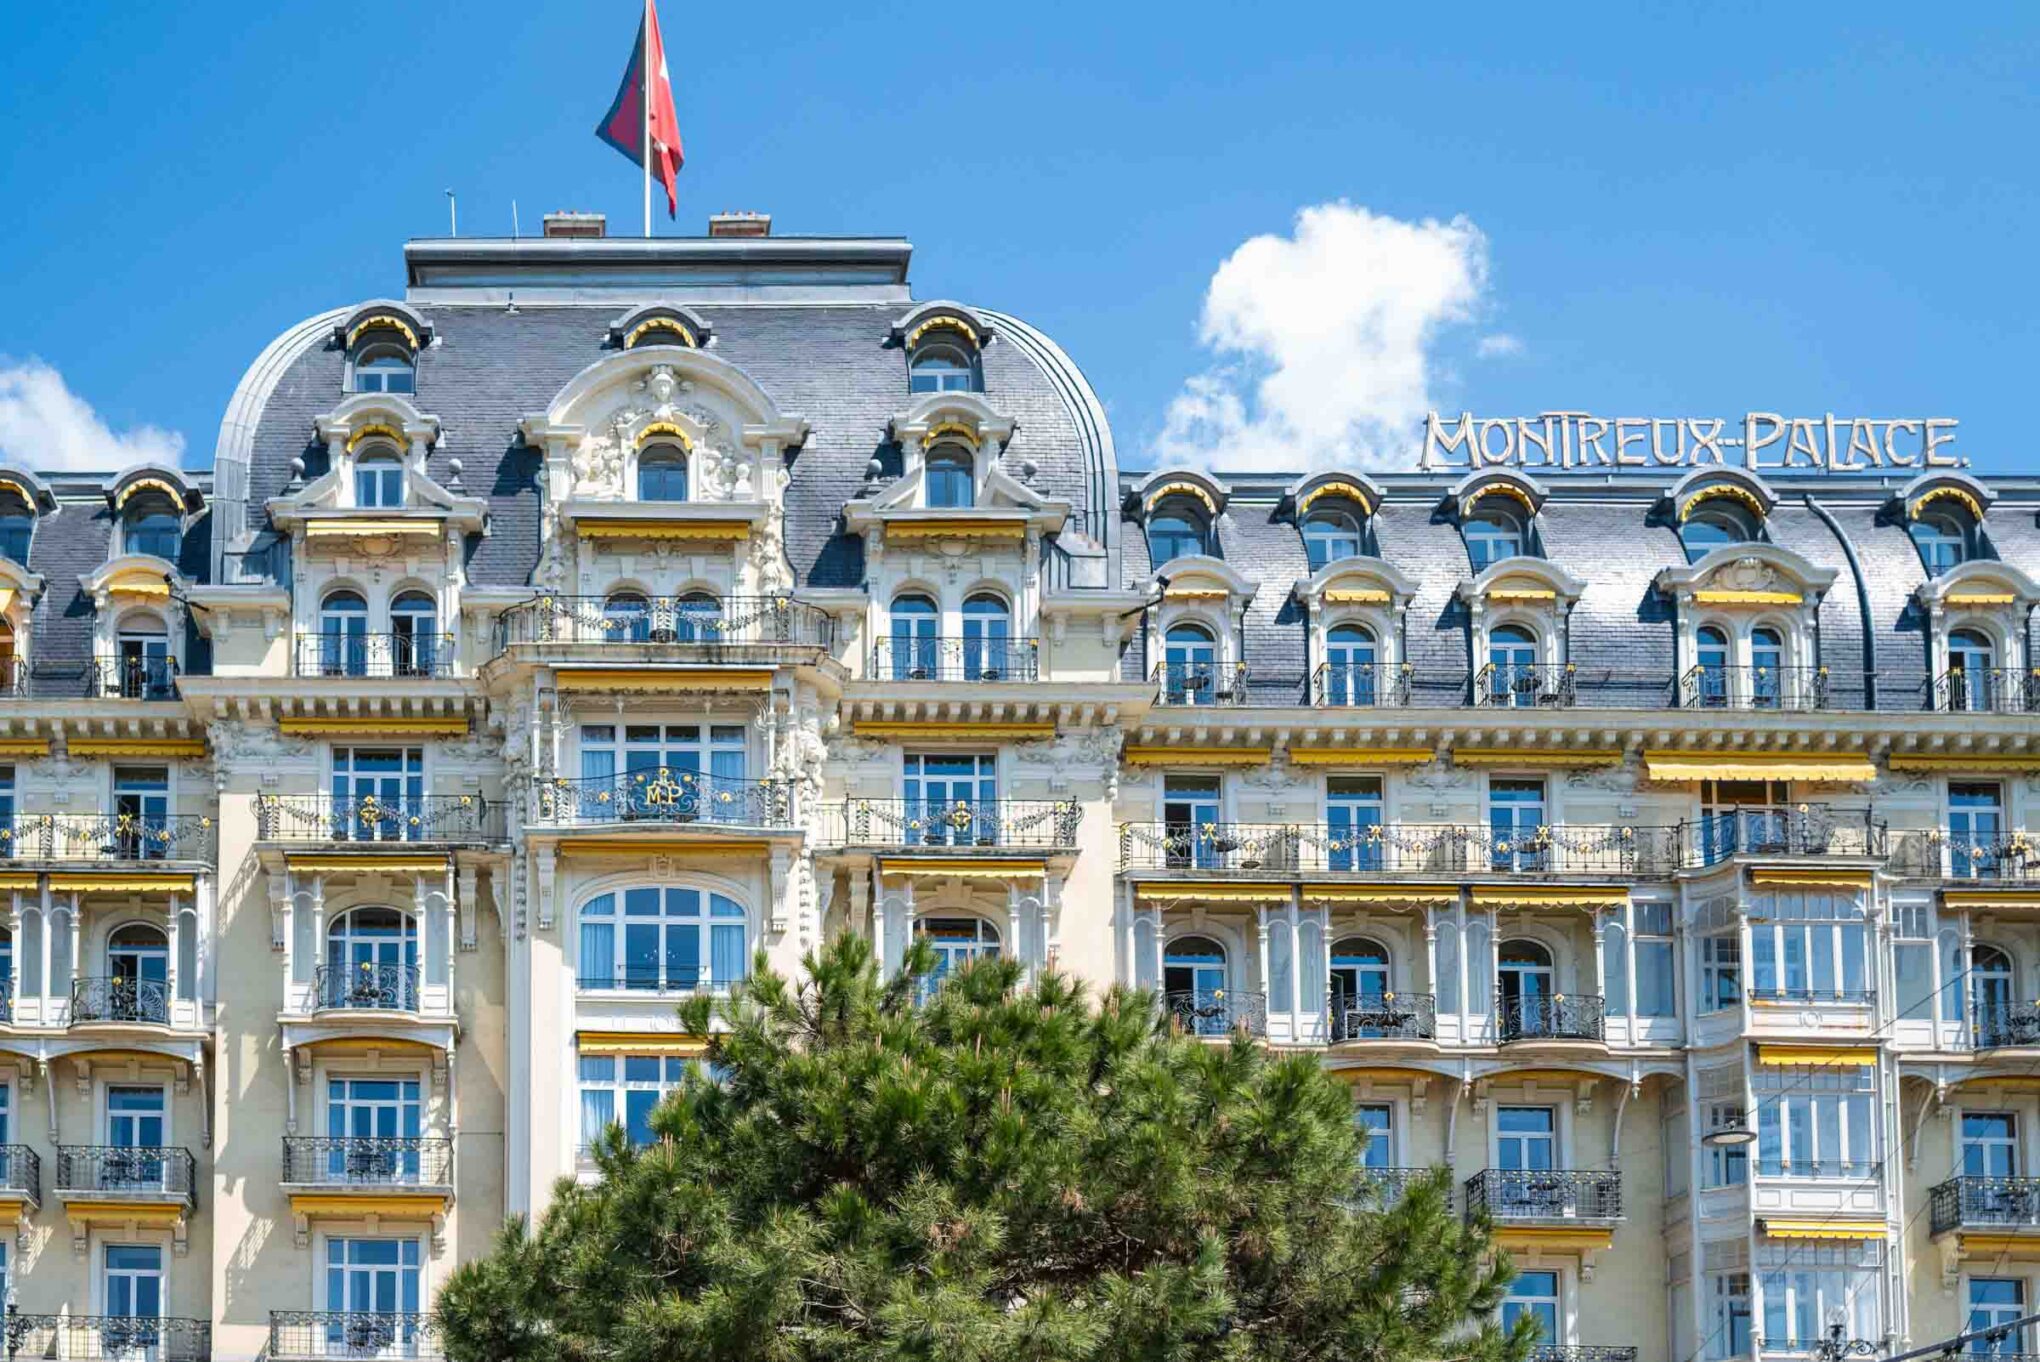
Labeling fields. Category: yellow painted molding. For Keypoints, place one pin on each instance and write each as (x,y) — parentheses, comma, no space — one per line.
(1950,493)
(920,730)
(1977,598)
(138,747)
(660,846)
(1184,489)
(394,862)
(1818,1056)
(139,584)
(140,485)
(380,529)
(955,527)
(372,431)
(1357,595)
(638,1043)
(1222,892)
(1521,595)
(1196,593)
(1735,596)
(1722,491)
(654,429)
(117,882)
(24,747)
(1926,762)
(2017,1248)
(1358,756)
(1336,487)
(666,324)
(383,321)
(148,1214)
(1861,1231)
(952,430)
(355,1205)
(1188,755)
(1827,879)
(1511,756)
(18,882)
(1686,767)
(942,322)
(374,728)
(958,866)
(1396,895)
(1555,1238)
(1549,895)
(1381,1073)
(667,680)
(19,489)
(1985,899)
(1502,489)
(703,531)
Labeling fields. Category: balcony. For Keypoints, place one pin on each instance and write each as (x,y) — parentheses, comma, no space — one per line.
(106,837)
(1217,1012)
(1387,1186)
(1561,1016)
(423,819)
(742,630)
(350,1336)
(1020,824)
(1544,1196)
(1201,683)
(1581,1352)
(118,1178)
(1388,1016)
(365,986)
(1977,1203)
(1985,690)
(1753,688)
(120,1000)
(1360,685)
(109,1338)
(1442,849)
(20,1174)
(367,1163)
(663,795)
(132,678)
(1782,831)
(1984,859)
(372,656)
(1526,685)
(1997,1024)
(955,659)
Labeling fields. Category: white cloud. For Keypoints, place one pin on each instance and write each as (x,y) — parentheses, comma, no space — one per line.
(1499,344)
(1324,341)
(46,426)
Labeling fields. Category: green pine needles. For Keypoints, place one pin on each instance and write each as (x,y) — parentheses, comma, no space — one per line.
(997,1173)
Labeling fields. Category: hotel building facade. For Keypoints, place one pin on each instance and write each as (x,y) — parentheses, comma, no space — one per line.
(546,642)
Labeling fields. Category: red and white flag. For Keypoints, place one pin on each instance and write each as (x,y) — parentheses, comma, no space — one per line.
(626,126)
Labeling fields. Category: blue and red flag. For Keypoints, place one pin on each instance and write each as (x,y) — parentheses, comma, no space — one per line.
(625,127)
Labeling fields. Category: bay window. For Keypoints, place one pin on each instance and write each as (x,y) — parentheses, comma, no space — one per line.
(1816,1123)
(1809,946)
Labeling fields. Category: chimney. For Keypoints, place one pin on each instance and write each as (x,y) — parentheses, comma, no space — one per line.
(575,224)
(740,224)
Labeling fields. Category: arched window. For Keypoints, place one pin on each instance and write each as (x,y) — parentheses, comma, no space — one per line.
(662,473)
(136,987)
(988,645)
(1715,524)
(1708,684)
(379,480)
(1493,533)
(1992,995)
(1525,973)
(1513,676)
(1945,539)
(371,960)
(1767,668)
(415,645)
(343,634)
(9,660)
(1190,672)
(662,939)
(957,942)
(1176,532)
(384,369)
(627,617)
(1352,665)
(1194,985)
(1330,535)
(1360,989)
(947,478)
(941,369)
(17,529)
(1973,681)
(153,525)
(143,669)
(916,645)
(697,618)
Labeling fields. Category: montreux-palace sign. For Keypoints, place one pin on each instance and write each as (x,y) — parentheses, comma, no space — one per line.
(1761,440)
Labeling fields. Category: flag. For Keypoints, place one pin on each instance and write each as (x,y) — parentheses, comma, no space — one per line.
(623,127)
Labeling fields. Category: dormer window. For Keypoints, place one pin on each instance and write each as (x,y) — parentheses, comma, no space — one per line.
(1945,539)
(1177,531)
(1716,524)
(662,473)
(17,529)
(1492,533)
(948,478)
(378,481)
(384,369)
(940,367)
(1330,535)
(152,525)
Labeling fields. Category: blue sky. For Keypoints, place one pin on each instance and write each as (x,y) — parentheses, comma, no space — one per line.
(1788,208)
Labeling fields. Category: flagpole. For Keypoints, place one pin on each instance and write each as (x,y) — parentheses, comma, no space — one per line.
(645,98)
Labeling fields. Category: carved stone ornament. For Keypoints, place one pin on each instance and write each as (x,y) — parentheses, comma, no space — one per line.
(1621,779)
(1746,574)
(1437,775)
(1092,746)
(236,740)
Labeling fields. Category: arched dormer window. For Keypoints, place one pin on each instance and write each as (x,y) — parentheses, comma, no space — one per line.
(662,473)
(944,343)
(384,369)
(17,527)
(943,367)
(382,340)
(947,478)
(151,523)
(1494,530)
(1714,523)
(1943,513)
(1329,534)
(379,480)
(1945,537)
(1178,529)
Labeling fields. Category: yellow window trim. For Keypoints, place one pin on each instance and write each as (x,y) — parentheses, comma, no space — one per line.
(1198,756)
(18,882)
(137,747)
(1928,762)
(1949,493)
(1555,1238)
(373,430)
(363,529)
(661,679)
(1509,756)
(1818,1056)
(1336,487)
(395,728)
(954,527)
(1854,1231)
(1521,595)
(385,322)
(356,1206)
(1721,491)
(408,862)
(1979,598)
(1397,895)
(1506,489)
(661,846)
(140,485)
(1177,890)
(667,324)
(1187,489)
(142,1214)
(639,1043)
(961,868)
(1357,595)
(919,731)
(1985,900)
(1359,756)
(1553,896)
(1827,879)
(707,531)
(1686,767)
(942,322)
(24,747)
(654,429)
(84,882)
(1730,596)
(1196,593)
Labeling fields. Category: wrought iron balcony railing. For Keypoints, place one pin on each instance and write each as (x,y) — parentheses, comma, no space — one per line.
(359,1161)
(1624,850)
(1742,687)
(1525,685)
(1996,1023)
(737,627)
(1360,685)
(679,979)
(127,1170)
(664,794)
(21,1170)
(1201,683)
(1785,831)
(955,659)
(1385,1016)
(109,1338)
(1386,1186)
(121,998)
(1217,1011)
(105,836)
(422,818)
(366,985)
(1985,690)
(2011,857)
(133,678)
(1016,823)
(1557,1016)
(1581,1352)
(1514,1194)
(373,655)
(352,1336)
(1989,1203)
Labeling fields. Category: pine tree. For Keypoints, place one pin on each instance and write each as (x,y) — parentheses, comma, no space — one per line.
(998,1172)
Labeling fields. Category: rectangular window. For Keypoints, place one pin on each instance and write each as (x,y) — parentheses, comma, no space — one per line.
(672,773)
(1993,1303)
(379,794)
(1729,1337)
(1376,1122)
(1353,819)
(132,1281)
(373,1126)
(1726,1165)
(1534,1294)
(1656,994)
(1818,1123)
(1810,946)
(1194,836)
(623,1089)
(1976,825)
(1801,1296)
(1527,1138)
(1517,825)
(1990,1144)
(141,812)
(951,798)
(372,1277)
(1720,972)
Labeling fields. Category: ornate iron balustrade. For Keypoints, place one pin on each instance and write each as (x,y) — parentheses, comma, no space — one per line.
(1558,1016)
(955,659)
(663,794)
(1995,1023)
(426,818)
(1217,1011)
(373,655)
(1625,850)
(106,837)
(367,1162)
(120,999)
(1387,1186)
(1783,830)
(1581,1352)
(21,1170)
(1544,1194)
(133,678)
(109,1338)
(1743,687)
(739,624)
(1201,683)
(680,980)
(1525,685)
(959,823)
(126,1169)
(2011,857)
(1385,1016)
(352,1335)
(1986,690)
(366,985)
(1360,685)
(1970,1202)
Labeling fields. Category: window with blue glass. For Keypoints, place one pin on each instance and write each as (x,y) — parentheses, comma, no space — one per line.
(946,479)
(153,524)
(1973,681)
(1493,533)
(662,938)
(1816,1123)
(1177,530)
(1945,539)
(1517,824)
(1190,671)
(662,473)
(376,793)
(1709,685)
(1352,666)
(1976,829)
(1809,946)
(942,369)
(956,941)
(379,481)
(916,638)
(1513,676)
(384,369)
(17,529)
(367,1278)
(1767,667)
(1717,525)
(131,1280)
(343,634)
(951,798)
(1995,1303)
(1194,984)
(1193,835)
(1329,535)
(676,773)
(416,648)
(1533,1295)
(373,1125)
(987,639)
(1353,823)
(623,1090)
(1376,1123)
(141,812)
